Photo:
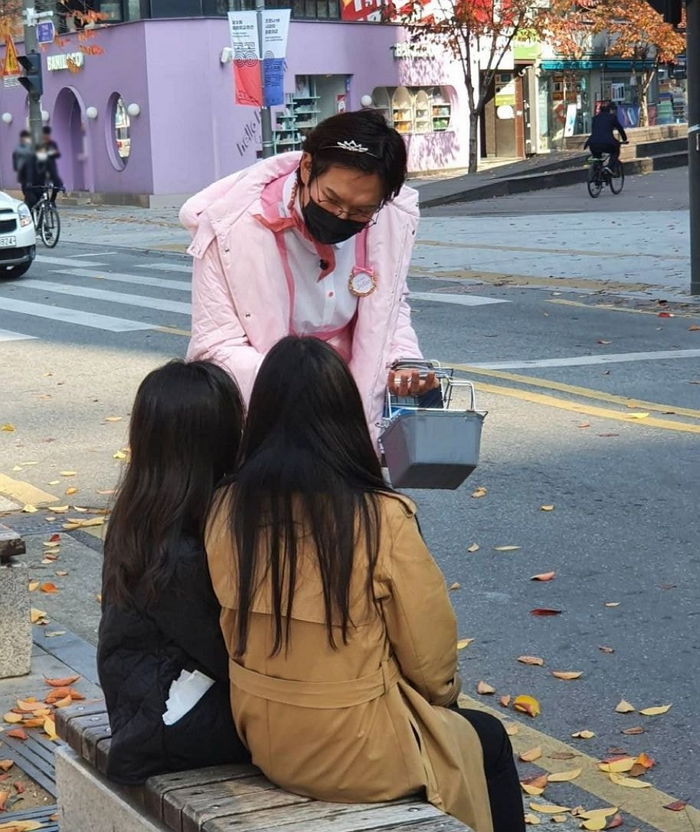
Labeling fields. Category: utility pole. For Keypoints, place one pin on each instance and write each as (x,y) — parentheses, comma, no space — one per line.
(268,148)
(32,81)
(693,60)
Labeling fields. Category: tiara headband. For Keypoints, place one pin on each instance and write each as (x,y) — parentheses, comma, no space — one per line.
(352,146)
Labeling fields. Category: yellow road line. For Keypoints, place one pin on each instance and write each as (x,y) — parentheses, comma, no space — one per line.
(581,252)
(23,492)
(173,330)
(609,307)
(645,804)
(588,409)
(584,392)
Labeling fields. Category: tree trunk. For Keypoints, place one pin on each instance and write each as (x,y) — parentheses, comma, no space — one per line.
(643,100)
(473,140)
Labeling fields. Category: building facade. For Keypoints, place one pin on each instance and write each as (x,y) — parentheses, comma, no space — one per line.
(152,119)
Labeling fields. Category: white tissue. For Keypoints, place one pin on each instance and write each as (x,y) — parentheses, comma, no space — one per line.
(184,694)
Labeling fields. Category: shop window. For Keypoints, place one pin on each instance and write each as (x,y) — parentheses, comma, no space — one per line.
(316,9)
(415,110)
(118,132)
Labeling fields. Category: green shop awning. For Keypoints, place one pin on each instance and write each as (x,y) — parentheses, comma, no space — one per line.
(608,64)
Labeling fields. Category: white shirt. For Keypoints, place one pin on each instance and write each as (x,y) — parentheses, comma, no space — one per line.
(320,306)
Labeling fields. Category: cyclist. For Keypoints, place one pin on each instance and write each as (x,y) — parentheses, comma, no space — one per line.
(602,138)
(37,173)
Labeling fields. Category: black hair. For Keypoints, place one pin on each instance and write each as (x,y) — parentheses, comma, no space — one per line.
(25,134)
(184,436)
(46,130)
(386,151)
(308,472)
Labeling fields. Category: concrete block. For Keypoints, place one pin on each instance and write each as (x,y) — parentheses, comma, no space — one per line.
(11,543)
(87,802)
(15,626)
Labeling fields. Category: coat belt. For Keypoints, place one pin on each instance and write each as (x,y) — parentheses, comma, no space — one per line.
(319,695)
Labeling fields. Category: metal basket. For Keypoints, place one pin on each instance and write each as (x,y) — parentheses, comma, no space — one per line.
(431,447)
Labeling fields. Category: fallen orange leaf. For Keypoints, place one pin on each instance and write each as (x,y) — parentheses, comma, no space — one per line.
(645,760)
(536,660)
(17,734)
(544,611)
(484,688)
(6,765)
(62,683)
(504,701)
(544,576)
(676,806)
(567,675)
(49,588)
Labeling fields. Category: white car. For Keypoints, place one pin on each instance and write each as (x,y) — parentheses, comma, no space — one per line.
(17,237)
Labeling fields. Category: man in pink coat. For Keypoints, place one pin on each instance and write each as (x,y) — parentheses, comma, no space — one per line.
(315,243)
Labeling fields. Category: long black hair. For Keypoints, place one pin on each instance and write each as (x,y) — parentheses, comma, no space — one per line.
(184,436)
(308,469)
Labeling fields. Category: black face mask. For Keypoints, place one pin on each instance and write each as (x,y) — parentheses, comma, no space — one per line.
(326,227)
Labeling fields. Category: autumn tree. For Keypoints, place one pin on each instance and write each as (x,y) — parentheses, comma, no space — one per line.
(628,29)
(478,33)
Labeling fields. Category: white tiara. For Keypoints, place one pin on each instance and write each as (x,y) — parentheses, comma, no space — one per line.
(352,145)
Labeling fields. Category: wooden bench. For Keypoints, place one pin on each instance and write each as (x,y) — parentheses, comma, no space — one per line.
(217,799)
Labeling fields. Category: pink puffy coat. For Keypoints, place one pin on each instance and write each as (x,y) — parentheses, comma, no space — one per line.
(240,301)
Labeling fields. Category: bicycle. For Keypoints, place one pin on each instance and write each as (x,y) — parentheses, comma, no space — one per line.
(46,218)
(602,173)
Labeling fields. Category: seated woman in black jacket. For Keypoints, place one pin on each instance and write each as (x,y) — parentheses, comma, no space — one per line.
(160,617)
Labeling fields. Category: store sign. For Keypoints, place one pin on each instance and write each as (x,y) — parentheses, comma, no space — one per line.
(411,51)
(71,61)
(248,74)
(366,10)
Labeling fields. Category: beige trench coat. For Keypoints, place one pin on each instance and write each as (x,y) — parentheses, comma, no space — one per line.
(365,722)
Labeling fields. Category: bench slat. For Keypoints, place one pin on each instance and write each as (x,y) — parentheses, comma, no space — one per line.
(337,817)
(160,785)
(187,810)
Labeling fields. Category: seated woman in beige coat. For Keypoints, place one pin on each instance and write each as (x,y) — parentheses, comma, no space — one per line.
(340,632)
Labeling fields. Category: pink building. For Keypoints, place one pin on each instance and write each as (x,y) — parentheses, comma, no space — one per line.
(152,119)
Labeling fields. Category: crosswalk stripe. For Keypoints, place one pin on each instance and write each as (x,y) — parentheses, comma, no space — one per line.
(458,300)
(6,335)
(72,316)
(167,267)
(137,279)
(63,261)
(147,302)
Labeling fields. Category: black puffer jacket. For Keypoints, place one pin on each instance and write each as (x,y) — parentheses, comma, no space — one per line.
(142,649)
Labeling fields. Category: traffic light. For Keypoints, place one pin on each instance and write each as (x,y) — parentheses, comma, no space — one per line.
(32,79)
(672,10)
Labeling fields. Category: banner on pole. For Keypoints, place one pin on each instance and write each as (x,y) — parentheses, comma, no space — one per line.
(247,71)
(11,64)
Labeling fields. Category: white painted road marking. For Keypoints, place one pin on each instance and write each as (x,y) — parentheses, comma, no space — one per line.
(583,360)
(72,316)
(101,254)
(167,267)
(458,300)
(137,279)
(144,301)
(63,261)
(6,335)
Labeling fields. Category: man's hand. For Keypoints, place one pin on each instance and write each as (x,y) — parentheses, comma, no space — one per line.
(410,383)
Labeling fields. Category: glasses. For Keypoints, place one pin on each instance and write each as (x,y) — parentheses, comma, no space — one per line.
(336,208)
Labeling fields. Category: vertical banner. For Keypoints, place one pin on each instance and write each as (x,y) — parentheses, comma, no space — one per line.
(246,58)
(275,33)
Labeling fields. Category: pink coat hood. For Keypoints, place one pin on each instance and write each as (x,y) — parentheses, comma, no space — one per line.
(240,307)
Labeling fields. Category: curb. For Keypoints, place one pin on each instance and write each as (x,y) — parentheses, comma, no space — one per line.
(551,179)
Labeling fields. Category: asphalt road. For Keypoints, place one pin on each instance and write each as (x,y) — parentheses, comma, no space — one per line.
(623,480)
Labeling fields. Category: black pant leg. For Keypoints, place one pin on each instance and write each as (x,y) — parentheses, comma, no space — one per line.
(501,775)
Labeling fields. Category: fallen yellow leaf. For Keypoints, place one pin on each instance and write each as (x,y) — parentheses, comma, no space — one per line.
(564,776)
(546,508)
(532,820)
(534,660)
(68,473)
(113,418)
(37,616)
(533,791)
(531,755)
(453,586)
(20,826)
(7,428)
(559,818)
(119,455)
(583,735)
(30,509)
(527,705)
(506,548)
(612,604)
(33,586)
(637,415)
(567,675)
(511,728)
(58,509)
(655,711)
(548,808)
(70,491)
(598,822)
(13,719)
(544,576)
(473,548)
(624,707)
(54,482)
(629,782)
(484,688)
(595,813)
(464,642)
(618,766)
(50,729)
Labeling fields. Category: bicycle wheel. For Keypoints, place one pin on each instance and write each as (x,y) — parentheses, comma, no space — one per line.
(595,181)
(617,178)
(51,225)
